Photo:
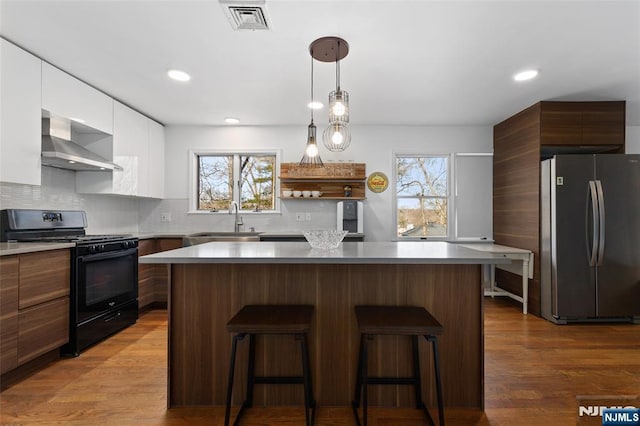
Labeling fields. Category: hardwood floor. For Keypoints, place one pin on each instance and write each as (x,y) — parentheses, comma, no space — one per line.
(533,372)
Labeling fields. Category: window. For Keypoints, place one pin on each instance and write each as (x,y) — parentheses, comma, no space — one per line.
(422,196)
(248,179)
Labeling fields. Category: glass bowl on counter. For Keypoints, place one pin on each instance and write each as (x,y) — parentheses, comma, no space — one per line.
(325,239)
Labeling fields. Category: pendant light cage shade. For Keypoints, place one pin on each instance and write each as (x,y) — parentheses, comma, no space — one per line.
(339,106)
(337,136)
(311,156)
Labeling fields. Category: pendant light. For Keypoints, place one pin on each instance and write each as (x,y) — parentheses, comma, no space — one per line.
(311,156)
(336,136)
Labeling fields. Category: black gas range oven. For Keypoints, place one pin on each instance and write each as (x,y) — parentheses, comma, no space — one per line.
(104,271)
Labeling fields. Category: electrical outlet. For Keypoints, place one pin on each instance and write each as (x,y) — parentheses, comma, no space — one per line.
(307,216)
(165,217)
(299,217)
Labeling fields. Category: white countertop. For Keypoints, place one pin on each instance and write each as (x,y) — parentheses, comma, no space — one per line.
(496,248)
(347,253)
(159,234)
(7,249)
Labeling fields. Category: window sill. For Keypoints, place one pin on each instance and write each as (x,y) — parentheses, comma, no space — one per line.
(399,239)
(241,212)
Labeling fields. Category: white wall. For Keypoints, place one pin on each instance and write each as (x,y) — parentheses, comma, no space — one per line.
(373,145)
(632,140)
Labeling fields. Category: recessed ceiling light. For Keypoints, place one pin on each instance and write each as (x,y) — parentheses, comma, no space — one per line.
(315,105)
(178,75)
(231,120)
(525,75)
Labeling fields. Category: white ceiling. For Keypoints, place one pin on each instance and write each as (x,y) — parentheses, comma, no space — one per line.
(410,62)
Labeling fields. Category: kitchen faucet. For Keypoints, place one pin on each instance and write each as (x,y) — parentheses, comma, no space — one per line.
(236,223)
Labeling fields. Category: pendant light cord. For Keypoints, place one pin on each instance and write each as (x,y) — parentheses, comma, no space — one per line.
(338,68)
(312,105)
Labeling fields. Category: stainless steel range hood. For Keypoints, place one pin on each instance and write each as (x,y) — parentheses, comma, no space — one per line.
(59,151)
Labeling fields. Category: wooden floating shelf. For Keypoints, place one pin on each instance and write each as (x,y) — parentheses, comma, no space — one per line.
(321,198)
(330,180)
(330,171)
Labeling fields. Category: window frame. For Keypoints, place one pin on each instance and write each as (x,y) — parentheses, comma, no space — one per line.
(449,196)
(193,177)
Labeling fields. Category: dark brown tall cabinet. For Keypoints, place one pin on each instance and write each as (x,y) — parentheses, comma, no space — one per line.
(519,144)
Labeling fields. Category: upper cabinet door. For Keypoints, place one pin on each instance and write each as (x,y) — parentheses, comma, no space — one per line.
(20,115)
(156,160)
(69,97)
(582,123)
(130,150)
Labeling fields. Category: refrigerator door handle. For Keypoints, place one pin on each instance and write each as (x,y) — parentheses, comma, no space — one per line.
(600,192)
(596,223)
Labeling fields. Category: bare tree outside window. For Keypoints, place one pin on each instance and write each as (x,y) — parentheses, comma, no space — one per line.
(217,186)
(257,181)
(422,195)
(215,182)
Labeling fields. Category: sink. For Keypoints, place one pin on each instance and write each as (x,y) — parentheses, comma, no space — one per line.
(206,237)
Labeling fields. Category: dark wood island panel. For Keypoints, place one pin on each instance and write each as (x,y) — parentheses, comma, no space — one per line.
(203,296)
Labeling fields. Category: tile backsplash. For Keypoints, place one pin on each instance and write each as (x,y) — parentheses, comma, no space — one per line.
(120,214)
(105,213)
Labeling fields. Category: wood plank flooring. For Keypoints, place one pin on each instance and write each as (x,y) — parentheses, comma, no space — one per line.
(533,372)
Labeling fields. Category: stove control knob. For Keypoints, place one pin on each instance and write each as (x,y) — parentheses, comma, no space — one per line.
(101,247)
(132,244)
(93,249)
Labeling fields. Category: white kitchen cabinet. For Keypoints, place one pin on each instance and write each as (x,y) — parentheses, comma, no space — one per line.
(65,95)
(20,115)
(138,147)
(130,150)
(156,160)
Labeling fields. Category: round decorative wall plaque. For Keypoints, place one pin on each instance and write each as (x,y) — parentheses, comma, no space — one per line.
(377,182)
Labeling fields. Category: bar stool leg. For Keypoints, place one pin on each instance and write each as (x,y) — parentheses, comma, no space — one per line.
(436,367)
(309,403)
(227,411)
(356,398)
(355,403)
(251,372)
(416,372)
(365,363)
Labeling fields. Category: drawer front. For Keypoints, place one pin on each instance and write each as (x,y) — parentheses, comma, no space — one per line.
(146,247)
(145,271)
(165,244)
(8,285)
(44,276)
(8,342)
(42,328)
(145,292)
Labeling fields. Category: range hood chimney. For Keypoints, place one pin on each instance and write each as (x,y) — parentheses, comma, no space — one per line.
(59,151)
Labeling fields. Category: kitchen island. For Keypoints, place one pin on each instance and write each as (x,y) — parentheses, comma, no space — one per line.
(211,282)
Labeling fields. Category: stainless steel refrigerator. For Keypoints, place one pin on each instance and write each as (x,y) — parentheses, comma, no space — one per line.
(590,238)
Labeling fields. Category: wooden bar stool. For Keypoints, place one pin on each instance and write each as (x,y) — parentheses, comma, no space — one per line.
(271,319)
(396,320)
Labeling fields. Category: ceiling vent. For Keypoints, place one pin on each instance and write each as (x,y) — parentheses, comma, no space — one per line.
(246,15)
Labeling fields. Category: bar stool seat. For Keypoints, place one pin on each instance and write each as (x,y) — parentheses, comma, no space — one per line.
(410,321)
(254,320)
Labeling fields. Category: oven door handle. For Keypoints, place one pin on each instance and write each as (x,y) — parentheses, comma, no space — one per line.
(108,255)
